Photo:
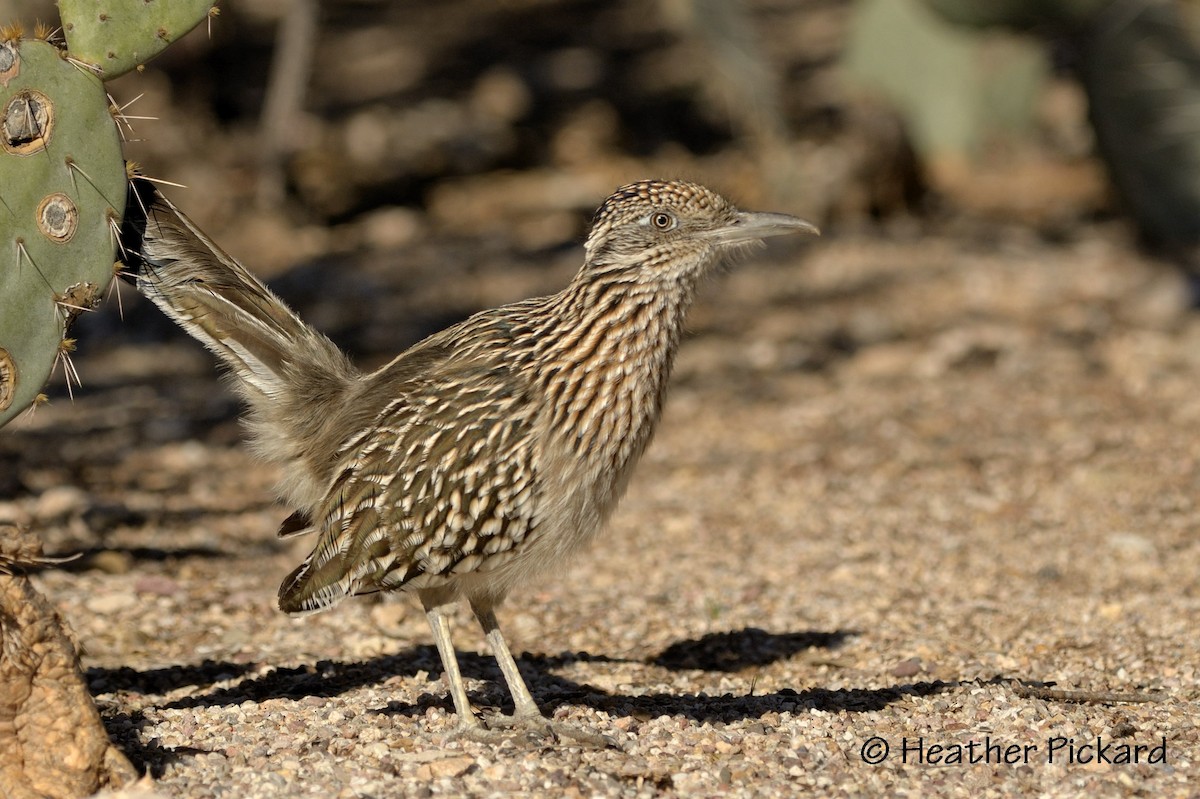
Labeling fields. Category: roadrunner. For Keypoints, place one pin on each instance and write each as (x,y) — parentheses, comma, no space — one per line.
(484,454)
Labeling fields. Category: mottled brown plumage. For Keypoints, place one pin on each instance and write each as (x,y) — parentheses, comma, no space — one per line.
(484,454)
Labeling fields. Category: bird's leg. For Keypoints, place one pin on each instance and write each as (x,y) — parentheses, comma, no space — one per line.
(523,704)
(526,713)
(436,613)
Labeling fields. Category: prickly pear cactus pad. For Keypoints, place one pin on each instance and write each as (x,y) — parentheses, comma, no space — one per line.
(62,191)
(115,36)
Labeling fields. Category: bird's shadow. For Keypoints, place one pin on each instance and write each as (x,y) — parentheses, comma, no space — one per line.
(736,650)
(726,652)
(219,685)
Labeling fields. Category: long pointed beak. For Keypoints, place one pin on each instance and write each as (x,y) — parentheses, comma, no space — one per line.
(750,226)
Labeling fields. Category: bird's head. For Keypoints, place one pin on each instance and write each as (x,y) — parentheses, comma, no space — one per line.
(657,231)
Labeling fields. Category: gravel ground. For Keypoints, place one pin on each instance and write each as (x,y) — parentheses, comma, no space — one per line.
(921,499)
(928,502)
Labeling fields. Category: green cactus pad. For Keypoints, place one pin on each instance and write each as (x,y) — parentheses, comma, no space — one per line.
(62,184)
(115,36)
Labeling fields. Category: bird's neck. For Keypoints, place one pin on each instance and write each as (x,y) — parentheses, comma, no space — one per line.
(607,354)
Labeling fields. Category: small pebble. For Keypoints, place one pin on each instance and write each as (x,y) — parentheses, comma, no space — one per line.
(115,602)
(907,668)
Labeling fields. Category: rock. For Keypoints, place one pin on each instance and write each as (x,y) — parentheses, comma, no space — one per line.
(61,502)
(111,562)
(107,604)
(908,668)
(454,766)
(157,585)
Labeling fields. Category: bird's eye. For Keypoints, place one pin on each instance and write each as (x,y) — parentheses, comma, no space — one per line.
(662,220)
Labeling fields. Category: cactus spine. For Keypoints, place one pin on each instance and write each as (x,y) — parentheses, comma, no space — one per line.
(62,175)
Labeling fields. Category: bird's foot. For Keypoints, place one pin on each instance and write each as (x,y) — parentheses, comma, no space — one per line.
(534,728)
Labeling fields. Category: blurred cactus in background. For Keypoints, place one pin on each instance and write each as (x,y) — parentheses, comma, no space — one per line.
(1139,64)
(957,90)
(959,77)
(62,176)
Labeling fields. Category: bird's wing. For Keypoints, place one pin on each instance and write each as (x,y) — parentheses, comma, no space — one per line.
(441,483)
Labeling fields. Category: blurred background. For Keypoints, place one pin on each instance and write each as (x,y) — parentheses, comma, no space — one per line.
(335,145)
(951,425)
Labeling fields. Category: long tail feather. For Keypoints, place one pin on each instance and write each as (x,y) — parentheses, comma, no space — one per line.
(295,380)
(217,301)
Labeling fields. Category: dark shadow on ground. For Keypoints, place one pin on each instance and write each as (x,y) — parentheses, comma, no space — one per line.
(721,652)
(146,754)
(328,678)
(739,649)
(728,708)
(163,680)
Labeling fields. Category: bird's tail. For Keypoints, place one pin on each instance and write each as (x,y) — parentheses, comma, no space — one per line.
(276,357)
